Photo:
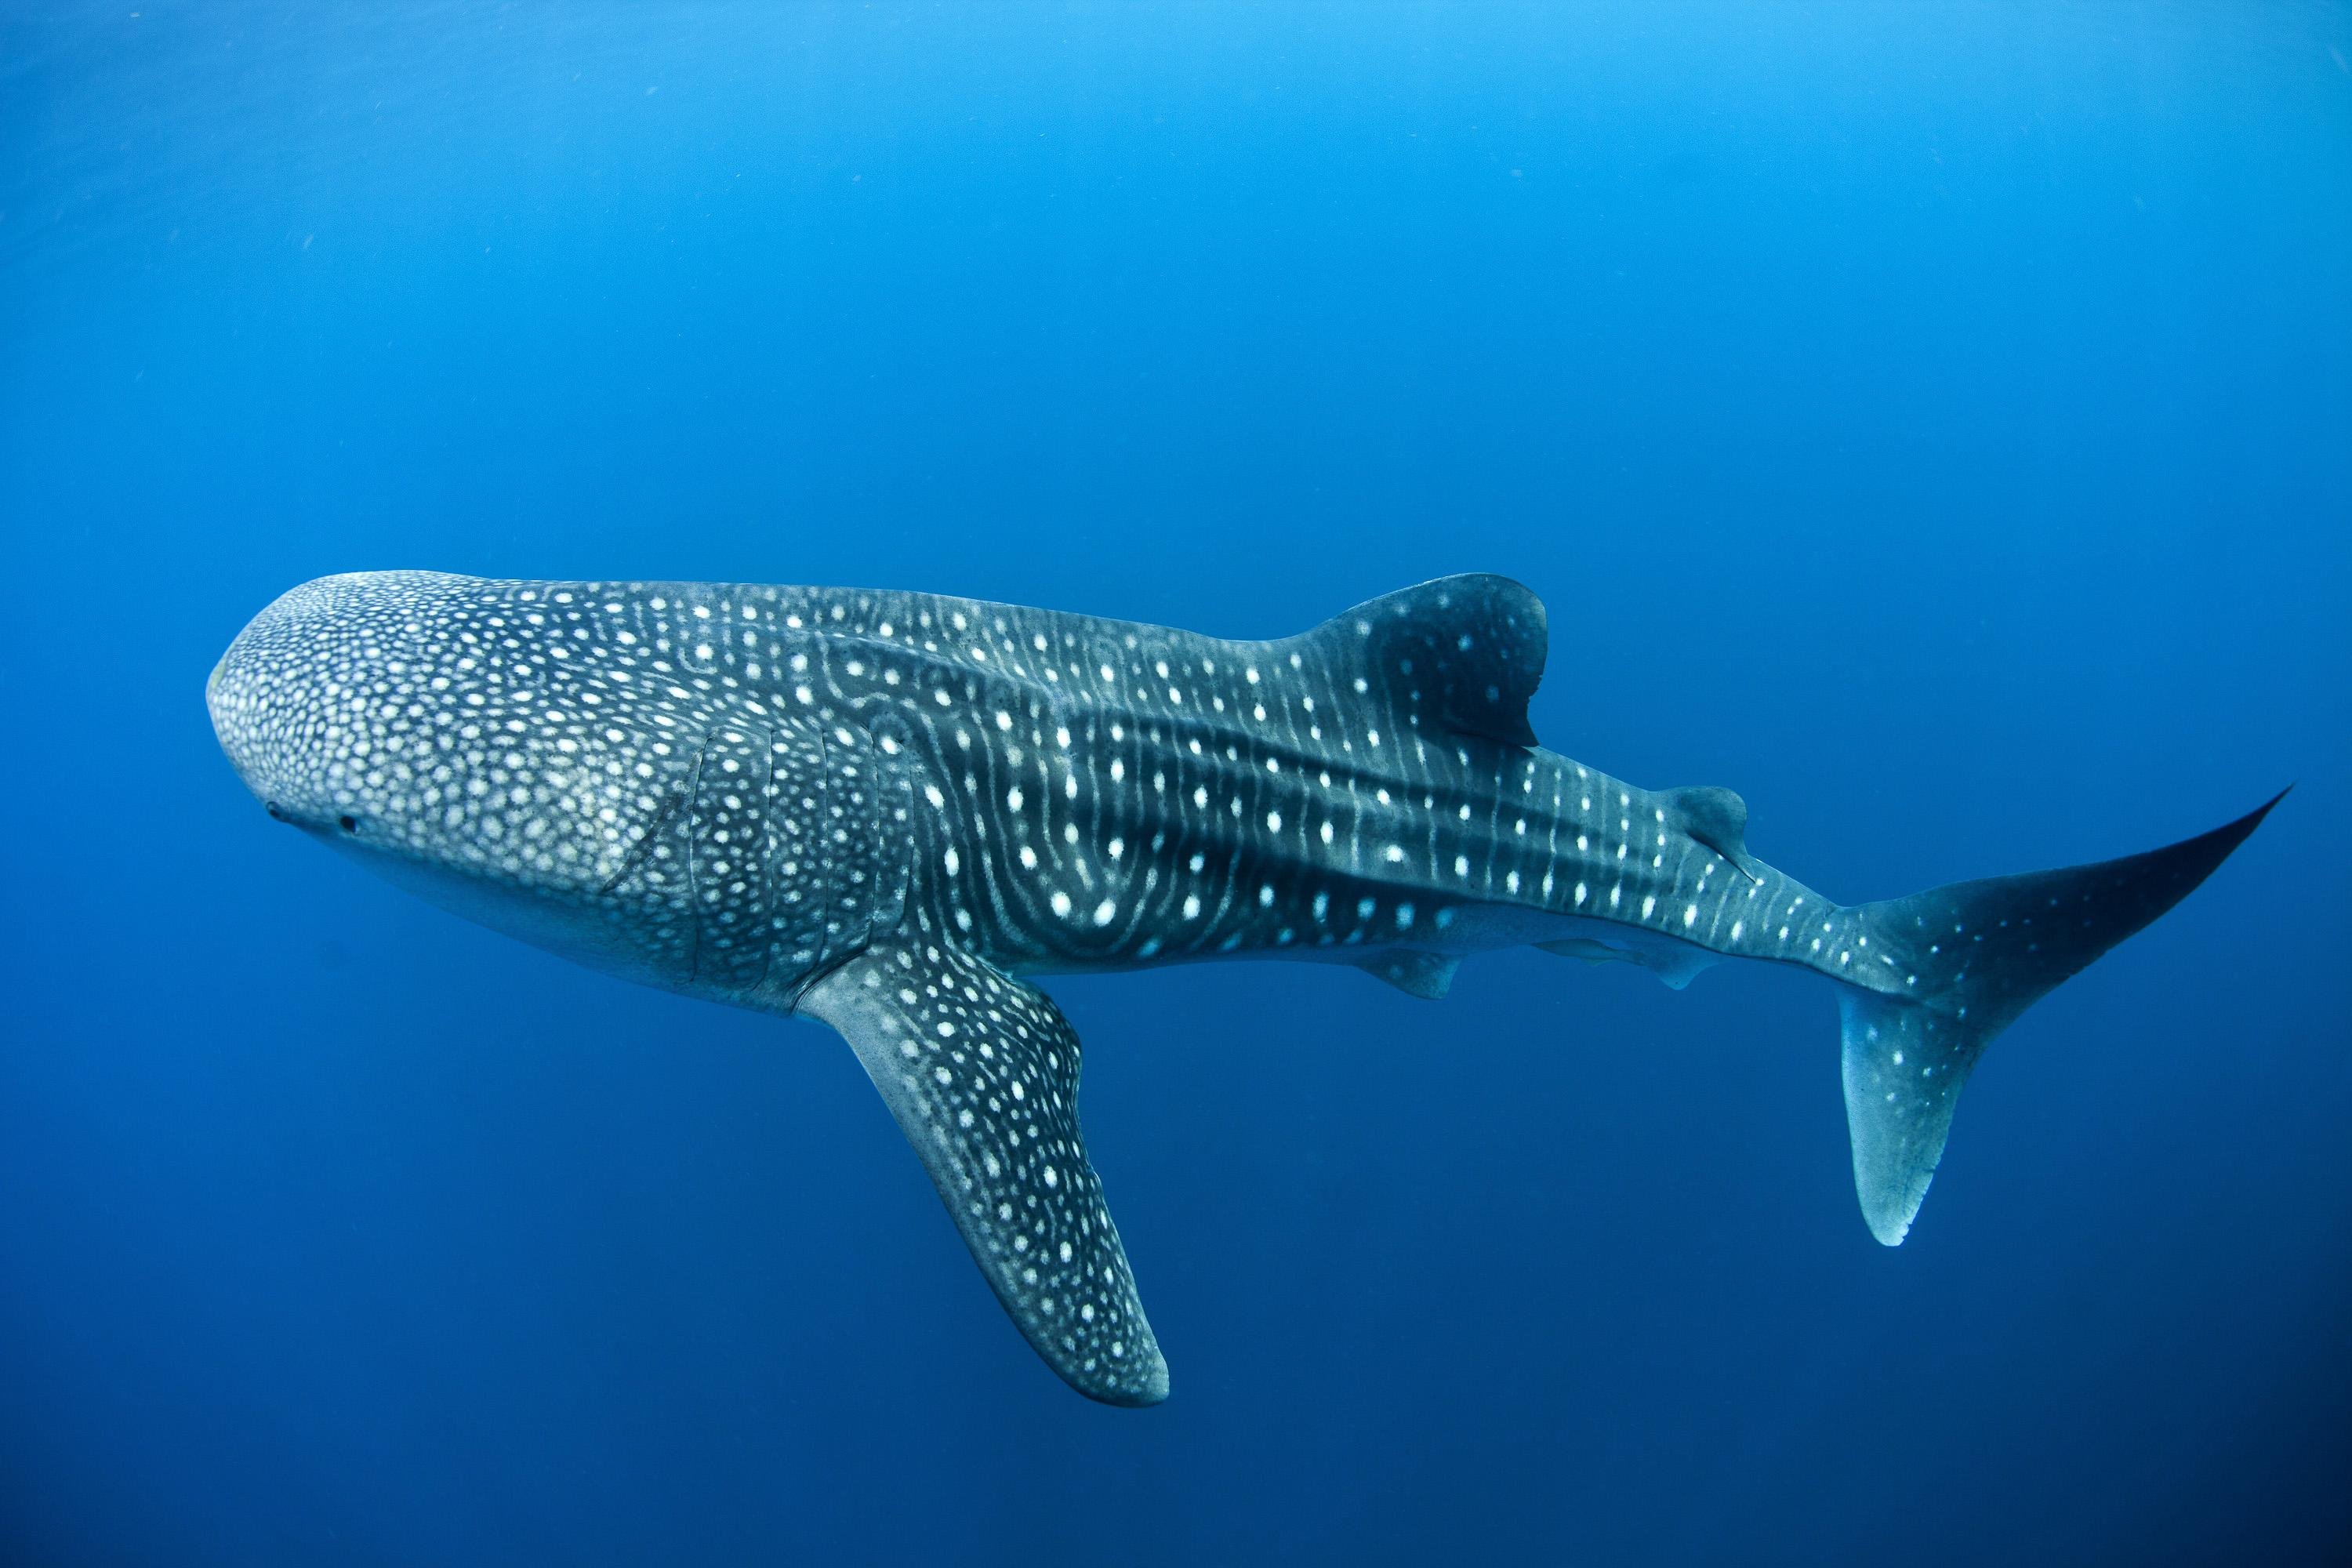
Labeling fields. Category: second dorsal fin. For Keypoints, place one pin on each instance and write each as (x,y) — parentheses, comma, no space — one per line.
(1466,651)
(1715,817)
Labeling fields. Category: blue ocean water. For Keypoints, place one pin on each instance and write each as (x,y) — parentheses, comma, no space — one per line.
(1933,421)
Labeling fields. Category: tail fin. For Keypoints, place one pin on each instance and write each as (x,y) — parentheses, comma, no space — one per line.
(1980,954)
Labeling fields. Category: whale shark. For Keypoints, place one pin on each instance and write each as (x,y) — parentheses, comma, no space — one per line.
(892,812)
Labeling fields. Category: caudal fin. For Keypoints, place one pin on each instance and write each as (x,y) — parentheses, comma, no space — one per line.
(1977,955)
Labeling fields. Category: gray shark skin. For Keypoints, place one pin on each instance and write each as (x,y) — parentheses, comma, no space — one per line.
(885,811)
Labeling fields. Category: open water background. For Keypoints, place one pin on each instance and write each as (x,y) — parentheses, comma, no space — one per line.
(1934,421)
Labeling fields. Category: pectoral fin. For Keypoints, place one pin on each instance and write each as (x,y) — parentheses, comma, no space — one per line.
(981,1071)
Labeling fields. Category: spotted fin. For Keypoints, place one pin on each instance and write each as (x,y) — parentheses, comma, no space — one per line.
(1468,649)
(981,1071)
(1416,973)
(1715,817)
(1976,955)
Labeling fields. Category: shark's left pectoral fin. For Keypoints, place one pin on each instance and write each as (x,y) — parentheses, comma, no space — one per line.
(981,1071)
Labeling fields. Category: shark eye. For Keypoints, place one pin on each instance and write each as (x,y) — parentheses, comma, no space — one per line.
(348,824)
(272,807)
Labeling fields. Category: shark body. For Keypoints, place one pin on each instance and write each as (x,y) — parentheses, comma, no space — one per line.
(885,811)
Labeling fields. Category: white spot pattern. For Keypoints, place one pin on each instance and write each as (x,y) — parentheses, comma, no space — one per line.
(728,788)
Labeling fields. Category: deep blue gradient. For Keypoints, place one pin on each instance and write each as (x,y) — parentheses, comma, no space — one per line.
(1933,421)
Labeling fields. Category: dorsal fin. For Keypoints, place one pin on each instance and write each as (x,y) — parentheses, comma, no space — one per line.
(1715,817)
(1467,651)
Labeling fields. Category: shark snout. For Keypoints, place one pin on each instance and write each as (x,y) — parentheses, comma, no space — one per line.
(291,699)
(254,699)
(226,732)
(222,707)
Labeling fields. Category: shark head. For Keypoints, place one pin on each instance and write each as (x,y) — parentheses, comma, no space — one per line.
(397,718)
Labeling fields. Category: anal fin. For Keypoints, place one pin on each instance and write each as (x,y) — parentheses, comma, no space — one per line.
(981,1072)
(1413,971)
(1675,963)
(1589,951)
